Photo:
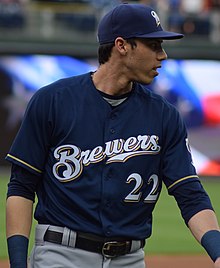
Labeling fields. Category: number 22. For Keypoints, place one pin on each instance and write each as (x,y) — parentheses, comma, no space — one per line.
(135,194)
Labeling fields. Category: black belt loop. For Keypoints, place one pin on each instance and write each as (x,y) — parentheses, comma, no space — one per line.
(110,248)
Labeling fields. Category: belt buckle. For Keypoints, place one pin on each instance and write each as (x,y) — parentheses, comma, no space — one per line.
(109,246)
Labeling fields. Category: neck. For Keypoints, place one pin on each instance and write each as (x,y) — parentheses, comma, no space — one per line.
(111,83)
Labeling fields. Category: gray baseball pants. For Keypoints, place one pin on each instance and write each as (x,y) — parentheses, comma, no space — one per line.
(51,255)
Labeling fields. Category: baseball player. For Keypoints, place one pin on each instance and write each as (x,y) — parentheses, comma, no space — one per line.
(96,148)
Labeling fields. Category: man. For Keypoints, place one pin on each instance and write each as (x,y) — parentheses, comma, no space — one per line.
(96,149)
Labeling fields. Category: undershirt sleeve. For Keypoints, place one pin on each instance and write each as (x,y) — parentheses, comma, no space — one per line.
(191,198)
(22,183)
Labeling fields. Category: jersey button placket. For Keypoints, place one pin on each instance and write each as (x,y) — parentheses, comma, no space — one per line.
(108,175)
(112,130)
(108,204)
(108,233)
(107,197)
(113,116)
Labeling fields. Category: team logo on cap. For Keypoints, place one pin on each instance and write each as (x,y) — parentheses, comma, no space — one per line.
(154,14)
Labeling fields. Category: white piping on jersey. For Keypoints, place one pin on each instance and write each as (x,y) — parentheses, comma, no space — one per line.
(182,179)
(71,160)
(24,163)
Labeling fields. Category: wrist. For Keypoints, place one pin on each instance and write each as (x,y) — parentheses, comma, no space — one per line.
(17,251)
(211,242)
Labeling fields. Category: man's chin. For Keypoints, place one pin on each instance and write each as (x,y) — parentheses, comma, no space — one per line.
(146,82)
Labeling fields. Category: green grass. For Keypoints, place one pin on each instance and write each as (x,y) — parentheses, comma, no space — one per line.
(170,234)
(3,184)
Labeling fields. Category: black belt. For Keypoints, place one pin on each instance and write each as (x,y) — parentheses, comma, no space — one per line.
(109,248)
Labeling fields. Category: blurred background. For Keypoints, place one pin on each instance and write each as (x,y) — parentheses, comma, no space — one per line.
(44,40)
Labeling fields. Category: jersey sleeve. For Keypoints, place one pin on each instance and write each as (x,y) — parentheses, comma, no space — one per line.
(191,199)
(31,143)
(177,165)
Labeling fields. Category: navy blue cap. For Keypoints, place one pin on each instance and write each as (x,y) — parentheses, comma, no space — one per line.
(132,20)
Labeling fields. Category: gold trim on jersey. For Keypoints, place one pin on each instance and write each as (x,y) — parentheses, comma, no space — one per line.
(23,162)
(183,179)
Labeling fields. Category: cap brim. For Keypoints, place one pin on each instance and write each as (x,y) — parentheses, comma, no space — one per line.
(162,35)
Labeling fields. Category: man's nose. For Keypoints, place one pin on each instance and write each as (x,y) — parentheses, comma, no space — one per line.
(162,55)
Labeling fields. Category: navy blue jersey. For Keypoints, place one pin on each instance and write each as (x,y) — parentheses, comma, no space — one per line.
(101,168)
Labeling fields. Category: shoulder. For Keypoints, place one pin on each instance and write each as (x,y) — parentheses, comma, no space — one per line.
(158,107)
(58,94)
(154,99)
(65,84)
(62,90)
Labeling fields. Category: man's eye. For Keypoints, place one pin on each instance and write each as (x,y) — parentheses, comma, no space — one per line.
(155,46)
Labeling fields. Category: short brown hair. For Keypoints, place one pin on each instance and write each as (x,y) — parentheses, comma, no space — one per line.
(105,50)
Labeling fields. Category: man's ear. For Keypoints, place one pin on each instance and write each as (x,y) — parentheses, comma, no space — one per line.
(121,45)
